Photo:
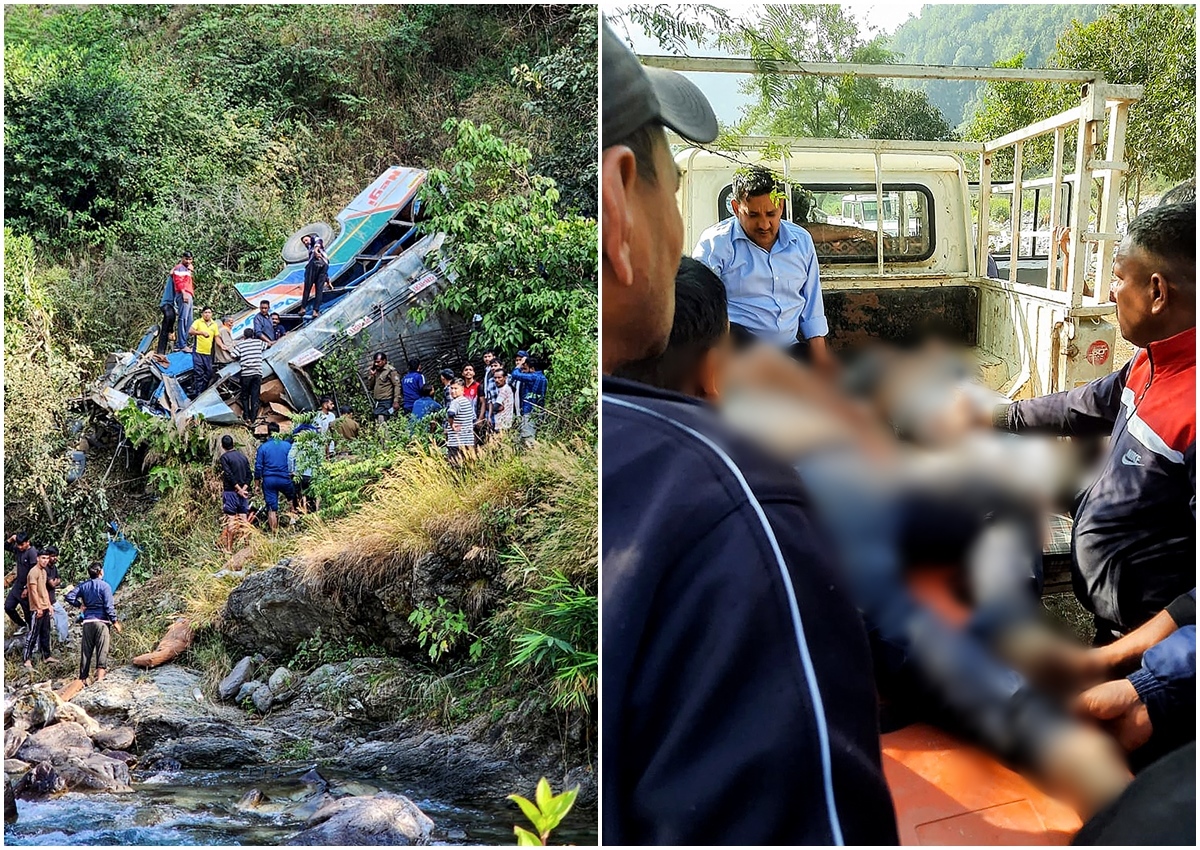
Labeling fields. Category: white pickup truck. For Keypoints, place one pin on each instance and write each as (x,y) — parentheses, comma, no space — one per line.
(1040,327)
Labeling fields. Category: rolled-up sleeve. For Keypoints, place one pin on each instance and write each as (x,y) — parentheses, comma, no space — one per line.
(812,317)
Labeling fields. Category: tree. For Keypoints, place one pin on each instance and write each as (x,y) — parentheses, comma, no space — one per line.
(1153,46)
(821,106)
(528,271)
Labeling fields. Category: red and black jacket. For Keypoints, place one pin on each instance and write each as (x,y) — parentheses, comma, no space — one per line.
(1134,542)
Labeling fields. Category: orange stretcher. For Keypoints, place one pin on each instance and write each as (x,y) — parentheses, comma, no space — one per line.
(947,792)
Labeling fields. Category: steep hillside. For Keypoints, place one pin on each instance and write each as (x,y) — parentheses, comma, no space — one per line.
(980,34)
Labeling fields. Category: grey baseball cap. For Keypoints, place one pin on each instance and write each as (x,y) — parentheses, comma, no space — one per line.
(635,96)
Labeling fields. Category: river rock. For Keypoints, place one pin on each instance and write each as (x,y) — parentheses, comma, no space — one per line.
(246,691)
(41,781)
(120,738)
(67,711)
(10,803)
(36,707)
(281,681)
(261,698)
(157,704)
(384,819)
(14,737)
(237,678)
(56,744)
(15,768)
(95,773)
(120,755)
(215,744)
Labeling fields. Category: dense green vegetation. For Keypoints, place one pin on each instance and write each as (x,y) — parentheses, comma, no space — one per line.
(980,34)
(135,132)
(1150,45)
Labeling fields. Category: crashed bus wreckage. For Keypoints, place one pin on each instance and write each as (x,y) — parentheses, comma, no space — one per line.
(377,272)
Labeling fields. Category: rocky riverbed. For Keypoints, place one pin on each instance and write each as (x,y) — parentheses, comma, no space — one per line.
(316,761)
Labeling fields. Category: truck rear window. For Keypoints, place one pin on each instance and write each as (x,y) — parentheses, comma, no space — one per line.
(842,219)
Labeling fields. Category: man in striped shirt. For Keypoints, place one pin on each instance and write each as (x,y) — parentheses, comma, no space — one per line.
(250,353)
(460,423)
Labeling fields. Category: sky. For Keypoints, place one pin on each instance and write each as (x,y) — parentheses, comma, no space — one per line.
(722,89)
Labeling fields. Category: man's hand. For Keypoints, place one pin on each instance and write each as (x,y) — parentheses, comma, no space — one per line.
(117,625)
(1117,705)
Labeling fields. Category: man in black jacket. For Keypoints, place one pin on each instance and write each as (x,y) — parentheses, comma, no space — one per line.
(16,602)
(738,701)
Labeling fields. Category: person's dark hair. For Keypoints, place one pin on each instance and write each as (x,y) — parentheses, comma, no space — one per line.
(752,182)
(642,142)
(379,355)
(49,550)
(500,371)
(272,427)
(227,442)
(701,321)
(204,310)
(22,537)
(1169,232)
(1181,194)
(427,390)
(448,374)
(414,365)
(276,316)
(248,333)
(94,569)
(458,382)
(186,255)
(264,303)
(344,411)
(533,363)
(324,399)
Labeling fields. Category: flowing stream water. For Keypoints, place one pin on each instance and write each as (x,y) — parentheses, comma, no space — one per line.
(201,807)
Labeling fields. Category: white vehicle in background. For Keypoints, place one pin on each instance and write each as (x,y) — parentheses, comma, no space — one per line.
(1037,327)
(863,210)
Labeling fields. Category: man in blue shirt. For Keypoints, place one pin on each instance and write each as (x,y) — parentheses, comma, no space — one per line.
(95,597)
(411,385)
(263,329)
(769,268)
(272,469)
(532,381)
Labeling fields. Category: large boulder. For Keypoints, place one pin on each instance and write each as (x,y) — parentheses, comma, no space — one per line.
(383,819)
(10,803)
(273,613)
(238,676)
(56,744)
(157,704)
(217,744)
(95,773)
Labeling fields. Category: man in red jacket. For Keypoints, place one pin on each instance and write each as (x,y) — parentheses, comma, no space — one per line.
(1133,545)
(185,297)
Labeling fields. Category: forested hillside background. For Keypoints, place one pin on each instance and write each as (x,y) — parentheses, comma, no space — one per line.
(981,34)
(135,132)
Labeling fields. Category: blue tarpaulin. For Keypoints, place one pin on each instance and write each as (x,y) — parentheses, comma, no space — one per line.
(120,556)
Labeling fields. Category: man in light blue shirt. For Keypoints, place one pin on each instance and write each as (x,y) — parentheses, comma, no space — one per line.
(769,268)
